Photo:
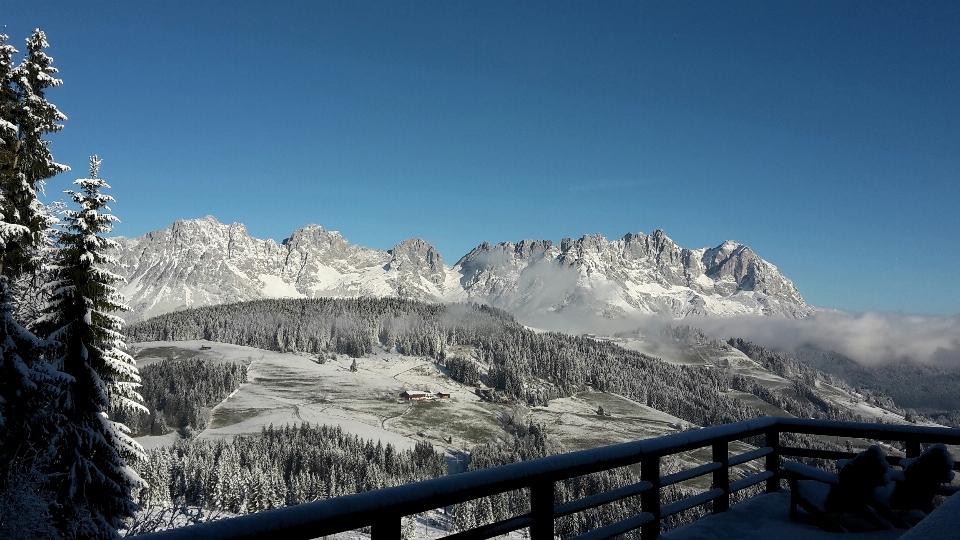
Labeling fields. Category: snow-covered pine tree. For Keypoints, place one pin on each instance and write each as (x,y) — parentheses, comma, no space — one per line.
(27,383)
(26,163)
(26,386)
(91,477)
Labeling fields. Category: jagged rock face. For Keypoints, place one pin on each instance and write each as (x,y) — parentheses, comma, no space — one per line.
(522,278)
(637,274)
(202,262)
(419,268)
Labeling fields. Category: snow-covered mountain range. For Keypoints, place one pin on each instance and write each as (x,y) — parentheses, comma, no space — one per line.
(202,262)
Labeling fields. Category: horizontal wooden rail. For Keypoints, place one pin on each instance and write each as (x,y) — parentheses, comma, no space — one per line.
(751,480)
(794,451)
(618,528)
(494,529)
(884,432)
(686,504)
(750,456)
(601,498)
(382,509)
(689,474)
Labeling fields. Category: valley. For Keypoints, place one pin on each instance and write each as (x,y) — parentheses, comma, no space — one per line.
(291,388)
(497,392)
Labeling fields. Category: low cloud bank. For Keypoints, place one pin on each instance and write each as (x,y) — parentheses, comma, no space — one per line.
(872,338)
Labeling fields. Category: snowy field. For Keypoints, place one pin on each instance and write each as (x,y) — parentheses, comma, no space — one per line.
(289,388)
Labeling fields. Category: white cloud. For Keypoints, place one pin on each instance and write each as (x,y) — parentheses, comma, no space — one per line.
(871,338)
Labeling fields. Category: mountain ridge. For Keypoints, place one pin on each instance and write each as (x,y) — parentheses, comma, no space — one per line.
(204,262)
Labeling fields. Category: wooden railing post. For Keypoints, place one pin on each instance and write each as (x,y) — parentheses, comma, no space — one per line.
(773,459)
(913,449)
(541,509)
(721,476)
(650,499)
(386,528)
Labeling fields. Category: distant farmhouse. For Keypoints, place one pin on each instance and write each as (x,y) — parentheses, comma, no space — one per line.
(421,395)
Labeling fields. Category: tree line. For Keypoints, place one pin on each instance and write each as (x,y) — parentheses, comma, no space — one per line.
(179,394)
(279,467)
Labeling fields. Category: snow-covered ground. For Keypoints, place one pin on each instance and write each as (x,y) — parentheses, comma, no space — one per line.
(149,442)
(286,388)
(767,517)
(944,522)
(289,388)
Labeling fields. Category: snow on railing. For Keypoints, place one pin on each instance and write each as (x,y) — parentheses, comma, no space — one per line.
(382,510)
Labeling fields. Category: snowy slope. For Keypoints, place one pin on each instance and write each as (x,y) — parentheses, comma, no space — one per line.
(202,262)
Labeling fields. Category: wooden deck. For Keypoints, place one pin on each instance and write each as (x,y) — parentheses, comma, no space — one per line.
(767,517)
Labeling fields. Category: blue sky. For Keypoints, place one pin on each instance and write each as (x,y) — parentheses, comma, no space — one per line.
(825,135)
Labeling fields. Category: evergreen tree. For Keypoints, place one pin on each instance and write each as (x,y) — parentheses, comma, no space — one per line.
(27,383)
(25,161)
(91,479)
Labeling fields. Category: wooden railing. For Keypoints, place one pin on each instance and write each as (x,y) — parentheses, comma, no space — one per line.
(383,509)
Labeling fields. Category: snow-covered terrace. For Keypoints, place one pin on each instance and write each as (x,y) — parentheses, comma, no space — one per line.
(763,517)
(767,517)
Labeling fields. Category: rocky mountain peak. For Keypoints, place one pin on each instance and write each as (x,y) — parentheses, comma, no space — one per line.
(202,261)
(315,240)
(416,256)
(527,249)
